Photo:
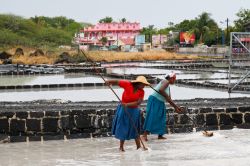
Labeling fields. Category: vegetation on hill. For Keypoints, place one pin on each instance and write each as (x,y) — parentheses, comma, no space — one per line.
(37,31)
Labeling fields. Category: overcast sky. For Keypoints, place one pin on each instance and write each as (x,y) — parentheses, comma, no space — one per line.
(147,12)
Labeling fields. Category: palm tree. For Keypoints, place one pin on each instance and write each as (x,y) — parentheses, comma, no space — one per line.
(204,25)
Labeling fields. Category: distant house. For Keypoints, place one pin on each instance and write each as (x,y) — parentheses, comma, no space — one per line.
(122,32)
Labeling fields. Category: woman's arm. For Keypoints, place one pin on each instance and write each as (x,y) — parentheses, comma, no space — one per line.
(112,82)
(134,103)
(165,85)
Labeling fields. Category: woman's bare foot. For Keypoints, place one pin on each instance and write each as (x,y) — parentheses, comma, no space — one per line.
(121,149)
(161,137)
(143,148)
(207,133)
(144,137)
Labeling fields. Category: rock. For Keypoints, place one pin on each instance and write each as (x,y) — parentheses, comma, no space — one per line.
(19,51)
(38,52)
(7,61)
(64,58)
(4,55)
(49,53)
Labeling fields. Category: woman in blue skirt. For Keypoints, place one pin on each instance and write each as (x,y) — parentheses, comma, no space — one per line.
(126,123)
(155,120)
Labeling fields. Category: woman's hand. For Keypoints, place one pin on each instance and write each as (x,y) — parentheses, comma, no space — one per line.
(124,105)
(178,110)
(107,82)
(111,82)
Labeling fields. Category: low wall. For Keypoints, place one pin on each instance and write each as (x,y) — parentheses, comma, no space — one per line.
(40,121)
(204,50)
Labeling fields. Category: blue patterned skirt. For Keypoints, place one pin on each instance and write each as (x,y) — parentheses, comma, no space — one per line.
(126,123)
(155,121)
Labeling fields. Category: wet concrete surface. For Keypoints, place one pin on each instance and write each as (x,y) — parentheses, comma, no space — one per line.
(225,148)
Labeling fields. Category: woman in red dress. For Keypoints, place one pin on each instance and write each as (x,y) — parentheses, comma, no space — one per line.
(126,123)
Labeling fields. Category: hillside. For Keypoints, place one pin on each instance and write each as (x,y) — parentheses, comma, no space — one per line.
(37,31)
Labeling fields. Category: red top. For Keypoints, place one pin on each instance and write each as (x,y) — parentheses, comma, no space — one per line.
(129,95)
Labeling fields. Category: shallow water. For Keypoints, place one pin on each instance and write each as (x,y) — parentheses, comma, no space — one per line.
(225,148)
(48,79)
(136,70)
(181,74)
(105,94)
(233,81)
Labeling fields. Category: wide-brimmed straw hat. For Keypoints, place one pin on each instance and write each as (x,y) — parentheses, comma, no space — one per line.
(141,79)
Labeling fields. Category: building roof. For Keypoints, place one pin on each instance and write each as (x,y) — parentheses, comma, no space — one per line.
(127,26)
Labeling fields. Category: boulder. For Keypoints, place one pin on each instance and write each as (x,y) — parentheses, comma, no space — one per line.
(64,58)
(38,52)
(19,51)
(5,55)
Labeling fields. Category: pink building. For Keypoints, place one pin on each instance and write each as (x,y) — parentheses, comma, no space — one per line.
(114,32)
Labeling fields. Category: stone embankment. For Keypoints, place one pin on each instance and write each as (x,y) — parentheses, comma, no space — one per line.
(50,120)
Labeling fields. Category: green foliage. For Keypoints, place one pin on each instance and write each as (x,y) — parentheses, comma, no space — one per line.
(186,25)
(51,35)
(148,32)
(204,28)
(244,17)
(210,38)
(10,38)
(123,20)
(38,31)
(106,20)
(104,40)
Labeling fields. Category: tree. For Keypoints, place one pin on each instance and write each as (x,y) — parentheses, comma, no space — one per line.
(106,20)
(104,41)
(170,24)
(204,25)
(10,22)
(123,20)
(148,32)
(186,25)
(244,17)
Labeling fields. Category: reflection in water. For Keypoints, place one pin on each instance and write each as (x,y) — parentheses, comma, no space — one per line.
(226,147)
(102,93)
(137,71)
(105,94)
(48,79)
(181,74)
(15,80)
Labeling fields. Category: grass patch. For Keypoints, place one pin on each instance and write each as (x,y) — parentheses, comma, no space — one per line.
(53,55)
(110,56)
(26,59)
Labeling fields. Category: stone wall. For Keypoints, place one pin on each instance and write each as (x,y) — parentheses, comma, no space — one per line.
(38,122)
